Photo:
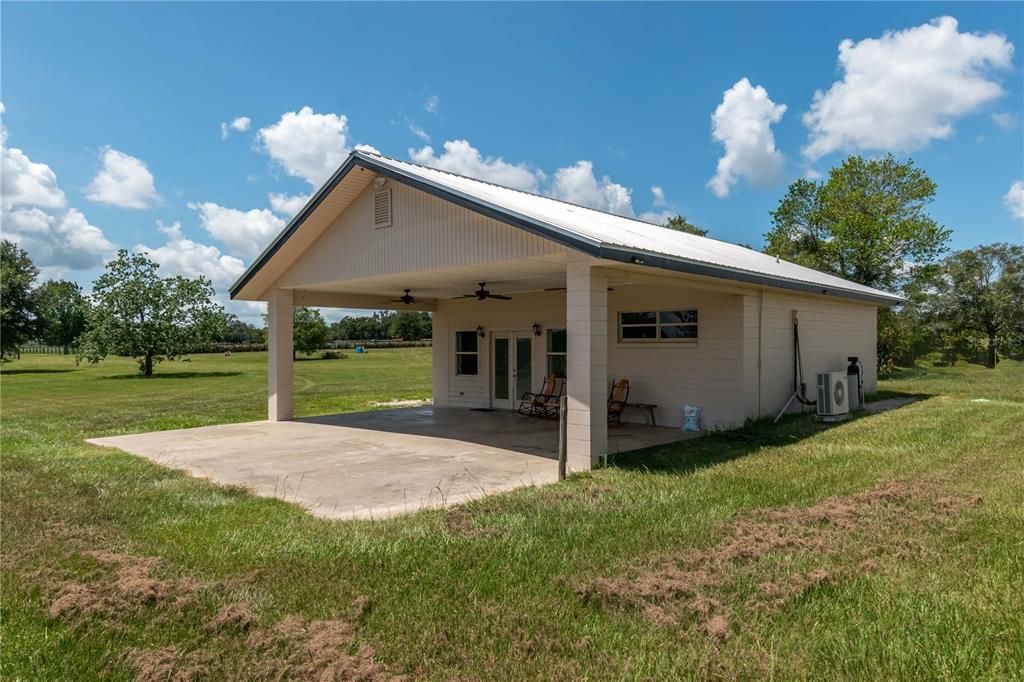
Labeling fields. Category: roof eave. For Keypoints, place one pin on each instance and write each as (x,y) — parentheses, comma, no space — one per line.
(546,230)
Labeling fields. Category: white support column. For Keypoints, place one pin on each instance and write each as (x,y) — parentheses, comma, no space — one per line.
(586,316)
(279,355)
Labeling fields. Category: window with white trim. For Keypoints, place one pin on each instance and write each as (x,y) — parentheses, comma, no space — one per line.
(557,353)
(466,357)
(668,326)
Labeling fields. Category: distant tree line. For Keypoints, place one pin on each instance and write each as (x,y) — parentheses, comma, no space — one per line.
(132,311)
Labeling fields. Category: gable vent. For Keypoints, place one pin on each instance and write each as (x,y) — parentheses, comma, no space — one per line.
(382,208)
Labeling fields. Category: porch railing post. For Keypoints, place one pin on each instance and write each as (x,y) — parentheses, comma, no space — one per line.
(563,412)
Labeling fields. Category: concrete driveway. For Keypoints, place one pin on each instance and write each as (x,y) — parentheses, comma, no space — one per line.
(374,464)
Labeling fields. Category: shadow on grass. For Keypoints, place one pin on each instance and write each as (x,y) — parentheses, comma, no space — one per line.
(687,456)
(36,371)
(174,375)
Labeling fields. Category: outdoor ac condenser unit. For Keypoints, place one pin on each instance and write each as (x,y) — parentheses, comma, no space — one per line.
(833,396)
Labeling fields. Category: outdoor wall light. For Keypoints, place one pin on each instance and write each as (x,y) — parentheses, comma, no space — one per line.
(480,331)
(536,328)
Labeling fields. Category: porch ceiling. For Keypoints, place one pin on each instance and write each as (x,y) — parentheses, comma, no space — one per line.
(504,277)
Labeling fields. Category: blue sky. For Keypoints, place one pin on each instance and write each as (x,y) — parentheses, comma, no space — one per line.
(118,108)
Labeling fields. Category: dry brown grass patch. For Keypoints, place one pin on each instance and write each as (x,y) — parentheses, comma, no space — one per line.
(785,553)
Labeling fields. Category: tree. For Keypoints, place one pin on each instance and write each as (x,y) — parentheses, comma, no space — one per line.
(867,223)
(681,224)
(18,321)
(137,313)
(981,290)
(62,310)
(239,331)
(309,331)
(409,326)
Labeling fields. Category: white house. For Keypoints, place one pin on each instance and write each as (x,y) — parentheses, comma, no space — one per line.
(687,319)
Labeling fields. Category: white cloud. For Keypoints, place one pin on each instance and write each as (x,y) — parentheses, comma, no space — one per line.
(34,215)
(1014,200)
(742,123)
(123,181)
(578,185)
(367,148)
(57,241)
(656,217)
(461,157)
(902,90)
(240,124)
(417,131)
(25,183)
(181,256)
(287,204)
(306,144)
(245,233)
(433,104)
(1005,120)
(658,195)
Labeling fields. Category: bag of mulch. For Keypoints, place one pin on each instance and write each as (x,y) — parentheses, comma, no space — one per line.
(691,417)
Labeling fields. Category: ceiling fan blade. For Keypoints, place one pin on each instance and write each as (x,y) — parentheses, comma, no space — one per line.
(555,289)
(500,297)
(464,296)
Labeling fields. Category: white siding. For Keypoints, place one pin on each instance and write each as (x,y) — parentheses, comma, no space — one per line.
(831,330)
(709,374)
(720,373)
(426,234)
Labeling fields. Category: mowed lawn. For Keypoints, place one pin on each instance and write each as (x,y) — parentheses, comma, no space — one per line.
(888,547)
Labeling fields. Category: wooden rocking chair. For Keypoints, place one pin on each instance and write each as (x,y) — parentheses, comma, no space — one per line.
(550,404)
(617,400)
(528,404)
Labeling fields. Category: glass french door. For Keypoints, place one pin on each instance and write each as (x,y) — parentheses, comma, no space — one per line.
(511,367)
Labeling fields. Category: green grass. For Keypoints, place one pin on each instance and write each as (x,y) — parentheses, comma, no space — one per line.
(494,591)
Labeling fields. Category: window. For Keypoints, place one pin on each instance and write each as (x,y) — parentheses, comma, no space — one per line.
(466,353)
(663,325)
(556,353)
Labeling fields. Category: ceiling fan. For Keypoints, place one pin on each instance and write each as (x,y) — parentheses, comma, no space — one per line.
(482,294)
(407,299)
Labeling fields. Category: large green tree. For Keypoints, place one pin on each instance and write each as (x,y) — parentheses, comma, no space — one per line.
(62,311)
(681,224)
(981,291)
(18,322)
(409,326)
(139,314)
(868,222)
(309,331)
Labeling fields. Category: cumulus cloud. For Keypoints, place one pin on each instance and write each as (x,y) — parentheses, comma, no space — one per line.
(743,124)
(182,256)
(459,156)
(123,181)
(245,233)
(306,144)
(658,195)
(26,183)
(1014,200)
(905,89)
(287,204)
(57,240)
(35,216)
(240,124)
(367,148)
(577,184)
(433,104)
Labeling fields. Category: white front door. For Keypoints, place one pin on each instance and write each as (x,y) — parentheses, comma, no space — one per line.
(511,367)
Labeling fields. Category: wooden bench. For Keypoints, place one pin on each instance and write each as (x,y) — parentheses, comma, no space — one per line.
(650,407)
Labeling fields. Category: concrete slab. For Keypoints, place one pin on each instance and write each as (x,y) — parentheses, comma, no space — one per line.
(375,464)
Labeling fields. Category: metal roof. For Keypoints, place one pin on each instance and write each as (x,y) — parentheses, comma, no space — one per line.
(597,233)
